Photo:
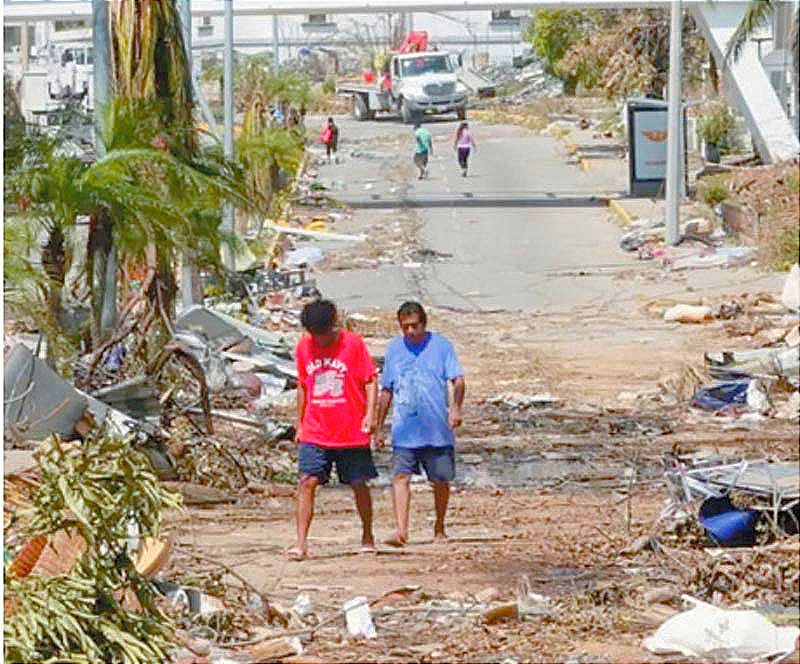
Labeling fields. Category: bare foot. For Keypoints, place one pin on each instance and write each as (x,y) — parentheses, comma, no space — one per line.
(440,537)
(396,540)
(368,548)
(297,554)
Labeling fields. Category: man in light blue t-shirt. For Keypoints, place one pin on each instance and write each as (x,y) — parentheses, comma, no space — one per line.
(417,369)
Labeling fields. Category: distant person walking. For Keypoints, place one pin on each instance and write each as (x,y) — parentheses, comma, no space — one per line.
(337,389)
(423,148)
(463,145)
(418,368)
(330,138)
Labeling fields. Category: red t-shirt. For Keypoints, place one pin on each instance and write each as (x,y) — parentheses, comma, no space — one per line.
(335,381)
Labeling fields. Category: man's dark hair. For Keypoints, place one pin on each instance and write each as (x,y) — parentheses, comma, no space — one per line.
(411,308)
(319,317)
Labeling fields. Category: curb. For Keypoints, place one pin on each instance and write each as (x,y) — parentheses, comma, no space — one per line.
(624,216)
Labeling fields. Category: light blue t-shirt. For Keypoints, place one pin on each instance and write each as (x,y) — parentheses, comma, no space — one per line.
(418,382)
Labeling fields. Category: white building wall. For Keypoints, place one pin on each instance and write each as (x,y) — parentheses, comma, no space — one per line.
(472,33)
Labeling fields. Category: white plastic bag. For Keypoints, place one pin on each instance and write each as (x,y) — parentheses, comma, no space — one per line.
(721,635)
(758,397)
(359,618)
(687,313)
(302,605)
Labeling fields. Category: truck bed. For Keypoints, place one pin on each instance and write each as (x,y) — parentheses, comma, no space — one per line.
(350,88)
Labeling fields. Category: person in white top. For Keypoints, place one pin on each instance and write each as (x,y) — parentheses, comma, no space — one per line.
(464,143)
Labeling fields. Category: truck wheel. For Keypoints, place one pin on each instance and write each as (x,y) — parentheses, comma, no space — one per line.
(462,113)
(361,109)
(406,113)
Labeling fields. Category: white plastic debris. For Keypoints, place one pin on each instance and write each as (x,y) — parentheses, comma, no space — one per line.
(757,397)
(790,297)
(359,618)
(687,313)
(305,255)
(708,632)
(302,605)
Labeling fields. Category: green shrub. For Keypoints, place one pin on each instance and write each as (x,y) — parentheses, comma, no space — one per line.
(713,189)
(329,86)
(718,127)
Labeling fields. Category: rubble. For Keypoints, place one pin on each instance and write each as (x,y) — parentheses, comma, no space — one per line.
(526,83)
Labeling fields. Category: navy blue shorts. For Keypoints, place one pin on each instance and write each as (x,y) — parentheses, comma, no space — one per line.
(439,462)
(353,464)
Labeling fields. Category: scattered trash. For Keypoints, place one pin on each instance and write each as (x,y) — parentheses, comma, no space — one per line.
(763,362)
(302,605)
(37,401)
(685,313)
(708,632)
(303,256)
(757,397)
(359,618)
(773,488)
(518,401)
(722,395)
(727,525)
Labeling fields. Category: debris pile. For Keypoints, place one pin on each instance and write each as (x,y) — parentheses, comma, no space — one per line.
(764,575)
(84,539)
(701,246)
(525,83)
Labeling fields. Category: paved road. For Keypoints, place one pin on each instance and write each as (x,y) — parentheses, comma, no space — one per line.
(524,245)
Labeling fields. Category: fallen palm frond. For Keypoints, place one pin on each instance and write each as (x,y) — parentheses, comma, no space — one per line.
(92,497)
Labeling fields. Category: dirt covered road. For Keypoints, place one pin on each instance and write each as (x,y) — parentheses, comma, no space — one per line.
(571,403)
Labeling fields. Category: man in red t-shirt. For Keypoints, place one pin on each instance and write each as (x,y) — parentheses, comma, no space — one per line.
(336,396)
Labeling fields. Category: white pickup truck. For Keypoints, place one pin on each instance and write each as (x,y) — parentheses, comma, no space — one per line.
(419,84)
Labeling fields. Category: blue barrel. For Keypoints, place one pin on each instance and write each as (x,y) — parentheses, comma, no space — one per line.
(732,528)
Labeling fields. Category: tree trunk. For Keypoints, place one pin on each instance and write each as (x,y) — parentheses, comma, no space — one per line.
(101,270)
(713,73)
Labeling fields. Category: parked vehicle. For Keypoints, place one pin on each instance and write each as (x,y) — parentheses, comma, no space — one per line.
(418,82)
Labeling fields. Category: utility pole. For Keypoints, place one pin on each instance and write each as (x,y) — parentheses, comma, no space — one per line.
(24,47)
(674,191)
(102,54)
(191,291)
(276,54)
(228,258)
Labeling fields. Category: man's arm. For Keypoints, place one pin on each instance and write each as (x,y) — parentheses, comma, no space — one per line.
(384,401)
(459,389)
(368,425)
(301,406)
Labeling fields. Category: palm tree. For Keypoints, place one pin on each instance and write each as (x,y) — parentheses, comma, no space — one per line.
(263,151)
(758,14)
(54,190)
(152,106)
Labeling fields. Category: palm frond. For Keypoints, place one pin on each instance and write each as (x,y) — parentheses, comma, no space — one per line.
(757,16)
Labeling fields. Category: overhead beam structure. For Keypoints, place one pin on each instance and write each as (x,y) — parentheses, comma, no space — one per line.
(18,11)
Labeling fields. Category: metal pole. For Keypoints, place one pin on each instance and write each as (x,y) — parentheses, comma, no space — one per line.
(227,212)
(276,54)
(189,270)
(100,44)
(24,47)
(674,134)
